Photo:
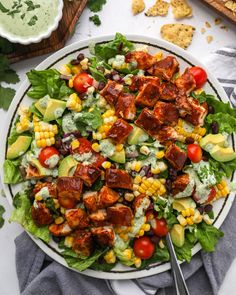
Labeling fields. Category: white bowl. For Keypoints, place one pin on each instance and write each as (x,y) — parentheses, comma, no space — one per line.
(34,39)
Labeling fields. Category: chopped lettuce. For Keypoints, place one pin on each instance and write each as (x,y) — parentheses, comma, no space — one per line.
(120,45)
(208,236)
(103,266)
(12,173)
(227,123)
(47,82)
(22,215)
(165,209)
(159,256)
(184,252)
(97,75)
(228,167)
(88,118)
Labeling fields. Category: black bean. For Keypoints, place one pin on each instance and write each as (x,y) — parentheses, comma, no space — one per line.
(108,76)
(80,57)
(101,69)
(211,110)
(75,62)
(168,185)
(56,239)
(150,207)
(155,239)
(200,209)
(172,174)
(208,208)
(215,127)
(189,140)
(120,47)
(101,85)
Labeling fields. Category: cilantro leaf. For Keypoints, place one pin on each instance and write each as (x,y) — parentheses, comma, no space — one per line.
(208,236)
(6,96)
(95,19)
(202,97)
(2,210)
(33,20)
(96,5)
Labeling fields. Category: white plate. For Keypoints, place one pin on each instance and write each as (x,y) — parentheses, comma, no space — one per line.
(221,207)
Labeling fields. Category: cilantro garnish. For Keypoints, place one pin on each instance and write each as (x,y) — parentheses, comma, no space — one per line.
(96,5)
(95,19)
(33,20)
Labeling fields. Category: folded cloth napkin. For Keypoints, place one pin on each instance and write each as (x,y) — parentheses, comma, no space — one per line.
(39,275)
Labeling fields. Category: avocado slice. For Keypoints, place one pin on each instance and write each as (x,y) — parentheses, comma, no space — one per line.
(19,147)
(209,141)
(137,135)
(118,157)
(222,154)
(42,171)
(177,235)
(41,105)
(54,110)
(66,166)
(183,204)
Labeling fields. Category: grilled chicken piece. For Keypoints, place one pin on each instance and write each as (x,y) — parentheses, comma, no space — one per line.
(148,95)
(83,243)
(119,131)
(104,236)
(51,186)
(167,113)
(90,200)
(144,60)
(99,218)
(60,230)
(77,218)
(183,104)
(120,214)
(41,214)
(180,184)
(125,106)
(141,203)
(165,68)
(198,113)
(111,92)
(139,81)
(176,156)
(88,173)
(117,178)
(168,91)
(69,190)
(168,133)
(107,197)
(186,81)
(149,122)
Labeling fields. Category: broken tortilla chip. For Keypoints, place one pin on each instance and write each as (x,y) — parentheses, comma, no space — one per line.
(159,8)
(137,6)
(181,9)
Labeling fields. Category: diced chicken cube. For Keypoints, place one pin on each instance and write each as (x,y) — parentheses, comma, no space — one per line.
(139,81)
(99,218)
(167,113)
(90,200)
(176,156)
(119,131)
(83,243)
(125,106)
(88,173)
(168,91)
(148,95)
(141,203)
(198,113)
(117,178)
(168,133)
(107,197)
(149,122)
(180,184)
(111,92)
(165,68)
(104,236)
(183,104)
(77,218)
(41,214)
(144,60)
(186,82)
(60,230)
(120,214)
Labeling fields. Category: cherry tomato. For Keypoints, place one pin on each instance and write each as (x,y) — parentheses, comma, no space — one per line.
(47,153)
(144,247)
(159,227)
(84,147)
(200,76)
(211,195)
(82,82)
(194,152)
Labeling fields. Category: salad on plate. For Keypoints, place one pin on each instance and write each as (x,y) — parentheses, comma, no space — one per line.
(116,150)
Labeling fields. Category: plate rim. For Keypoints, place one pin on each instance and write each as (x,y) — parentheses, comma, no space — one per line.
(48,62)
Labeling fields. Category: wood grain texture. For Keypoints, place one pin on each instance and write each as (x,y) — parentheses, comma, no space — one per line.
(71,12)
(219,6)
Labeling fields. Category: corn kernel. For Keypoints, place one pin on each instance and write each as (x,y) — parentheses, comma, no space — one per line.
(137,179)
(124,237)
(96,147)
(68,241)
(119,147)
(160,154)
(191,211)
(129,197)
(63,210)
(207,219)
(65,70)
(59,220)
(161,244)
(144,150)
(155,170)
(158,55)
(137,262)
(38,197)
(75,144)
(141,233)
(110,257)
(71,83)
(189,220)
(146,227)
(182,220)
(136,193)
(128,253)
(56,203)
(106,165)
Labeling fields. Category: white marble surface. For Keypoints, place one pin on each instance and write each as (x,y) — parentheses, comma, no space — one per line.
(116,16)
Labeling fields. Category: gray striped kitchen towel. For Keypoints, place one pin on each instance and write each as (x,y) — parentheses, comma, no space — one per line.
(39,275)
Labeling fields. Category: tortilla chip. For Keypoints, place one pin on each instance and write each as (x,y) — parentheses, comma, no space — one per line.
(178,34)
(181,9)
(159,8)
(137,6)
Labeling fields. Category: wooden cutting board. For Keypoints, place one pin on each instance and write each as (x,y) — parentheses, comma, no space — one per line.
(220,7)
(71,12)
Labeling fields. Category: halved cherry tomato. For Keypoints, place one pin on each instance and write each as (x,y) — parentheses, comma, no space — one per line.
(211,195)
(47,153)
(144,247)
(200,76)
(82,82)
(194,152)
(159,227)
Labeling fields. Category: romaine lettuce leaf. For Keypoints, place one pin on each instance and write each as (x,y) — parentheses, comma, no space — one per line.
(12,173)
(227,123)
(22,215)
(159,256)
(184,252)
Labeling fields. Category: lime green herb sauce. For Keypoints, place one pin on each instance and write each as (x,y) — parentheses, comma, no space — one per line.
(27,18)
